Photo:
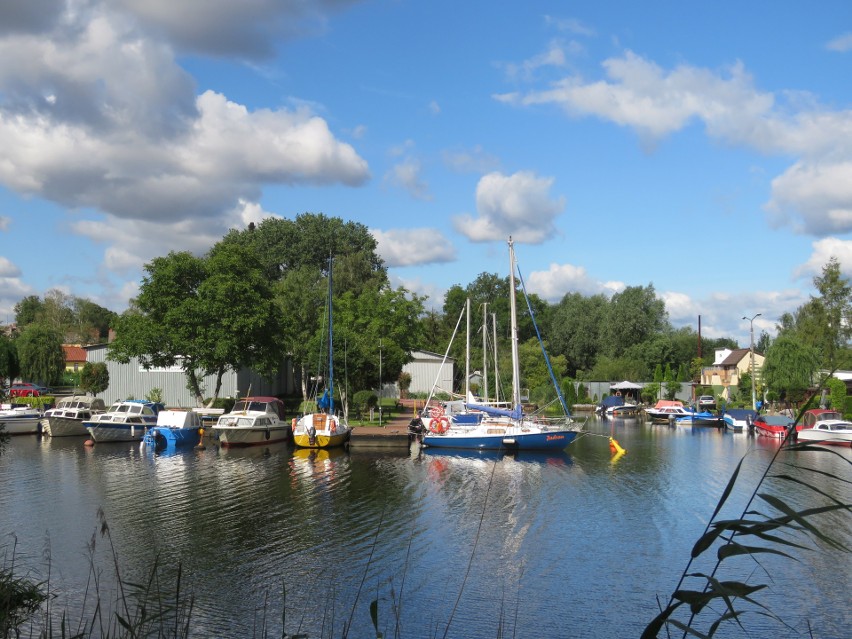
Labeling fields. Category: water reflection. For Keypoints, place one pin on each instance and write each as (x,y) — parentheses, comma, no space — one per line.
(578,543)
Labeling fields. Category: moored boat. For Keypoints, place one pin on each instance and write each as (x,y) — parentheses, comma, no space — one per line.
(834,432)
(174,428)
(67,418)
(509,429)
(703,418)
(775,426)
(20,419)
(324,428)
(738,420)
(125,421)
(667,409)
(252,422)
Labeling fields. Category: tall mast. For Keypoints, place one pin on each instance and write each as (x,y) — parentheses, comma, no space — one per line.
(494,346)
(516,368)
(330,346)
(484,352)
(467,354)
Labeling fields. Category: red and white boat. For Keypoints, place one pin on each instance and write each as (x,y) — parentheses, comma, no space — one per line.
(775,426)
(835,432)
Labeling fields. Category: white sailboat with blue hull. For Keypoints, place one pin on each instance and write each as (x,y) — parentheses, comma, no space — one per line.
(511,429)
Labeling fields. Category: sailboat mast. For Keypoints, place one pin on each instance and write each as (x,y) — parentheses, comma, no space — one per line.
(516,368)
(484,352)
(494,346)
(330,345)
(467,354)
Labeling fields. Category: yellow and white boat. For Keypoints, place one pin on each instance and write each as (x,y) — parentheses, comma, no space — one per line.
(323,429)
(320,430)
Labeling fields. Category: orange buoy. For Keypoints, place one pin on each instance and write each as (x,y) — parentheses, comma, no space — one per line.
(615,447)
(89,442)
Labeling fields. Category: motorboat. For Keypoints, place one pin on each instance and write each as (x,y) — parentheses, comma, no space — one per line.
(615,406)
(738,420)
(125,421)
(67,418)
(665,410)
(174,428)
(253,421)
(702,418)
(20,419)
(834,432)
(813,415)
(776,426)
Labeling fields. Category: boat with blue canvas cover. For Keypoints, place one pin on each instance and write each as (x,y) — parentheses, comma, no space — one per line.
(125,421)
(738,420)
(174,429)
(509,428)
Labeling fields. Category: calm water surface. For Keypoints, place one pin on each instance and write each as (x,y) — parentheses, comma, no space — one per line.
(468,546)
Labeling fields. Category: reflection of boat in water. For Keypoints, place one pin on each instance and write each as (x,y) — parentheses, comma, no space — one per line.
(554,457)
(318,454)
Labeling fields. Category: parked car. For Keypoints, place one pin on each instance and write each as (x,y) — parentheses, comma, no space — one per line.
(706,401)
(27,389)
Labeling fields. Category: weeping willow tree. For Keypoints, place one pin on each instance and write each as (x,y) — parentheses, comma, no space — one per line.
(790,367)
(40,354)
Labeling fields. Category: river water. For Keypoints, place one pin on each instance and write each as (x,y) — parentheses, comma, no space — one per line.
(579,544)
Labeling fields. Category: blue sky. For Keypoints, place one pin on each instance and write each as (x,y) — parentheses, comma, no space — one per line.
(704,148)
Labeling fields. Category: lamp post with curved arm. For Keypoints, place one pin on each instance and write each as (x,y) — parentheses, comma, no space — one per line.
(751,351)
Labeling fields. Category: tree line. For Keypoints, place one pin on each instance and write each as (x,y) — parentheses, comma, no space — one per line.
(258,296)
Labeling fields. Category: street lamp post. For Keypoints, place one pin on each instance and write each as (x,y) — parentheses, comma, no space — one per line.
(751,351)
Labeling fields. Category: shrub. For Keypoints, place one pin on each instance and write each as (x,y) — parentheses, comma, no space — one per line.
(365,400)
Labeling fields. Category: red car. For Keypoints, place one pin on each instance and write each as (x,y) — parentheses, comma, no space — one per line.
(26,389)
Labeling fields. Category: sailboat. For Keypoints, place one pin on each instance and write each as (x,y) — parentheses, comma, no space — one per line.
(324,429)
(510,429)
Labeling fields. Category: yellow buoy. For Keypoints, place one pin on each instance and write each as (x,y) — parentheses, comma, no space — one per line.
(615,447)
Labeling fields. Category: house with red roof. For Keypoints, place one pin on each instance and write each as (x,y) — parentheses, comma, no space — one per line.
(75,357)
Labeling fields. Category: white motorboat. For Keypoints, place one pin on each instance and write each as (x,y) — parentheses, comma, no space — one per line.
(125,421)
(835,432)
(20,419)
(252,422)
(67,418)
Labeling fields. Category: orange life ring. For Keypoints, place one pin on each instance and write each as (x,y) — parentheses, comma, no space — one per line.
(439,425)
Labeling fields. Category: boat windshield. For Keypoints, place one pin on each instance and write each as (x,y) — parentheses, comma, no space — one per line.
(244,406)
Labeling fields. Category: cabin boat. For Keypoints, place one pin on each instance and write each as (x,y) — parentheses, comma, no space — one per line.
(125,421)
(67,418)
(834,432)
(667,409)
(20,419)
(252,422)
(738,420)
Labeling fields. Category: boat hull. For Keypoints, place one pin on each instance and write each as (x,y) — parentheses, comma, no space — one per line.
(250,436)
(21,425)
(320,440)
(165,437)
(547,440)
(829,439)
(115,432)
(64,427)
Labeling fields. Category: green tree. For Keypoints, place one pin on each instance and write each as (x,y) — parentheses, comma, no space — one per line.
(40,354)
(574,330)
(835,312)
(28,311)
(207,315)
(94,378)
(634,315)
(9,365)
(379,325)
(789,367)
(94,321)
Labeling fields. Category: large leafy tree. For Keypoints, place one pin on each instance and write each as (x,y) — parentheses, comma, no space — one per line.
(28,311)
(9,366)
(40,354)
(574,330)
(789,367)
(207,314)
(634,315)
(380,323)
(835,311)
